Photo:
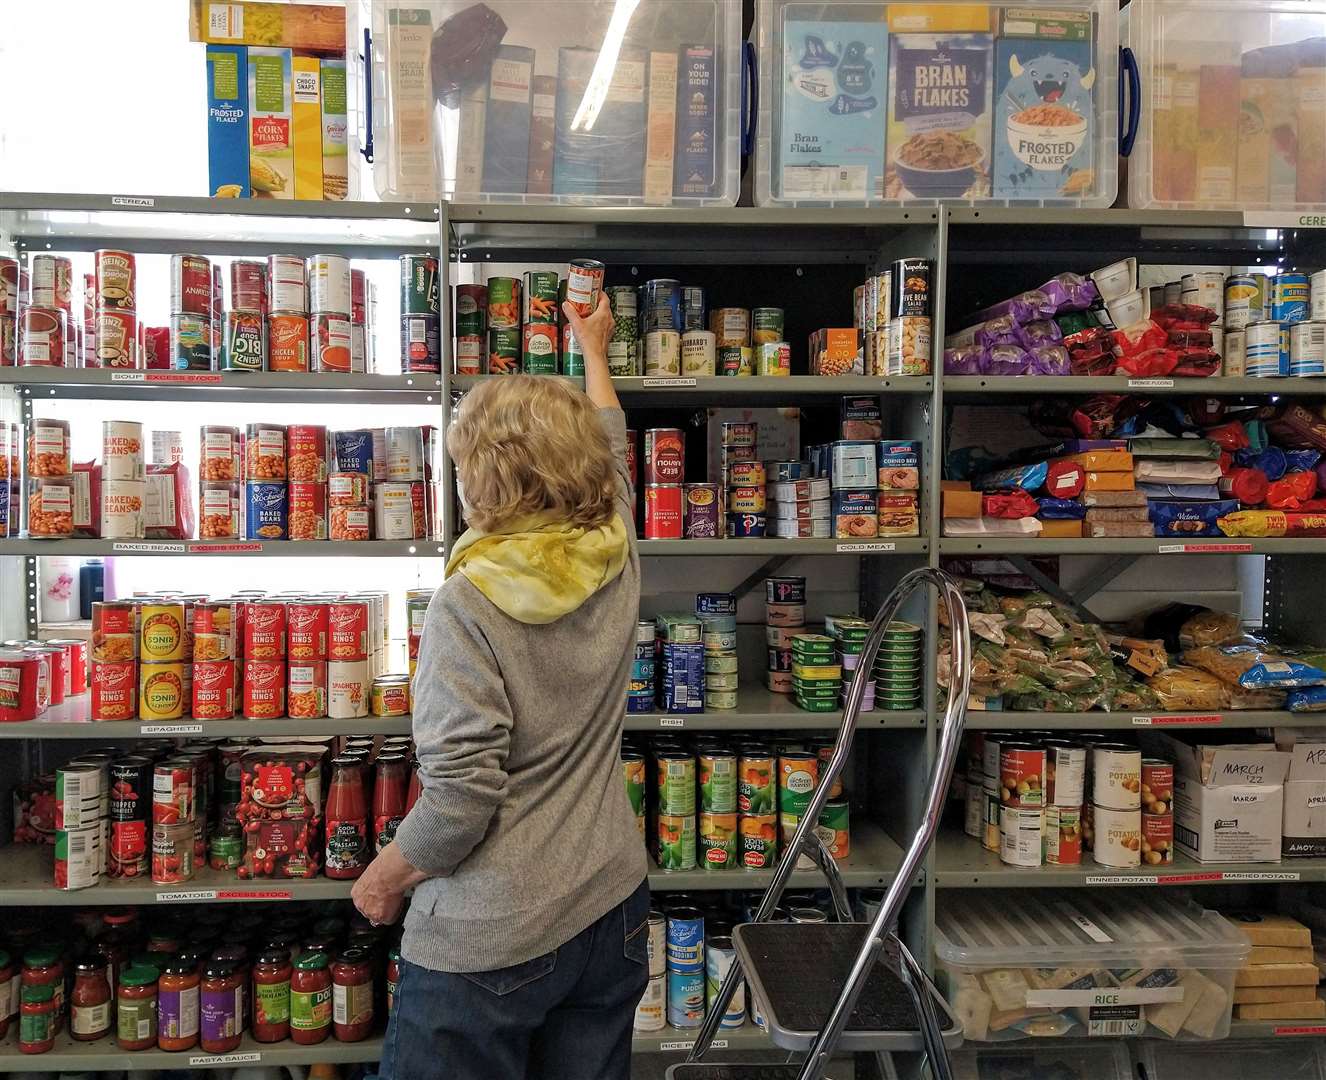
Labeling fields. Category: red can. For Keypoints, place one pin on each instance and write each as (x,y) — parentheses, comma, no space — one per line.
(213,689)
(347,630)
(1157,839)
(172,791)
(41,337)
(1157,786)
(172,853)
(358,297)
(116,274)
(665,456)
(264,689)
(248,286)
(306,689)
(306,452)
(584,282)
(419,509)
(8,341)
(8,286)
(1021,776)
(633,458)
(55,669)
(114,689)
(191,285)
(131,782)
(287,342)
(306,630)
(264,630)
(307,514)
(22,694)
(663,512)
(117,339)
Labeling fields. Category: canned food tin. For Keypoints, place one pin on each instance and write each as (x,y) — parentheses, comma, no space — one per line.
(421,343)
(910,288)
(1262,349)
(172,853)
(390,696)
(1208,287)
(651,1009)
(503,351)
(306,689)
(8,286)
(347,630)
(306,453)
(1292,298)
(664,455)
(1116,836)
(1307,349)
(538,353)
(219,450)
(686,995)
(264,689)
(131,792)
(307,513)
(797,778)
(117,338)
(736,360)
(161,631)
(244,342)
(657,943)
(122,450)
(759,841)
(161,694)
(584,282)
(717,847)
(248,287)
(1318,292)
(213,690)
(700,513)
(785,590)
(329,342)
(79,789)
(1116,771)
(287,342)
(1063,835)
(766,325)
(348,688)
(9,342)
(349,523)
(191,286)
(266,510)
(470,359)
(114,630)
(307,628)
(1022,776)
(662,305)
(78,858)
(1157,839)
(353,452)
(419,286)
(76,656)
(41,334)
(173,791)
(1157,794)
(1020,836)
(190,342)
(329,285)
(114,689)
(51,282)
(746,500)
(48,448)
(1065,773)
(663,512)
(347,489)
(908,346)
(471,310)
(662,353)
(264,630)
(698,355)
(834,828)
(539,297)
(773,358)
(114,272)
(122,503)
(393,511)
(1245,300)
(503,303)
(685,939)
(287,285)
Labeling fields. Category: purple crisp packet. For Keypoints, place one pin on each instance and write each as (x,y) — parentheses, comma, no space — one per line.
(1005,360)
(1024,308)
(1321,475)
(1041,332)
(1070,292)
(999,331)
(963,361)
(1050,360)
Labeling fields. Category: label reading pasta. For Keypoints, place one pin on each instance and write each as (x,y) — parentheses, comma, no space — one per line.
(1180,721)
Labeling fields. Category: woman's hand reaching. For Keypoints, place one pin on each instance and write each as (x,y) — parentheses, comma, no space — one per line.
(593,333)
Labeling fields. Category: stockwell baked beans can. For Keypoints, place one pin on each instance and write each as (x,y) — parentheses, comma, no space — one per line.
(266,510)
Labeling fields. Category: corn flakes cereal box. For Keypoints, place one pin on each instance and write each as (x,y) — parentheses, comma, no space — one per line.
(271,141)
(939,121)
(1044,112)
(831,142)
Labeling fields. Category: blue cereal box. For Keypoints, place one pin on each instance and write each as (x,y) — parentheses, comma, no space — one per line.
(697,116)
(940,56)
(228,122)
(1044,116)
(831,143)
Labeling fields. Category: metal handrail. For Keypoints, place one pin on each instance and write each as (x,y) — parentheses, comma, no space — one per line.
(950,734)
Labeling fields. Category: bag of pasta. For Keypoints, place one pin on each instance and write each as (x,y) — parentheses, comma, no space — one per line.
(1209,628)
(1253,665)
(1181,688)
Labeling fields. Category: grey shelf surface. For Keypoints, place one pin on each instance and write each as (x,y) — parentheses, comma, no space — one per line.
(773,546)
(1275,1029)
(961,862)
(40,383)
(1035,545)
(982,385)
(760,708)
(726,390)
(1102,721)
(1068,215)
(749,216)
(328,549)
(70,720)
(673,1040)
(104,1056)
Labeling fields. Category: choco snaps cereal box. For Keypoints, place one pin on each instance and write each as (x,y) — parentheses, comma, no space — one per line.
(940,56)
(1044,111)
(831,142)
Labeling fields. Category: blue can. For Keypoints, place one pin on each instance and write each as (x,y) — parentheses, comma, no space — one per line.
(682,685)
(660,308)
(784,470)
(693,308)
(685,939)
(686,998)
(640,702)
(716,603)
(745,524)
(719,956)
(1292,301)
(266,510)
(354,452)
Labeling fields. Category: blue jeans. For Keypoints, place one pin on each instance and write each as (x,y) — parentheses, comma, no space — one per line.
(563,1016)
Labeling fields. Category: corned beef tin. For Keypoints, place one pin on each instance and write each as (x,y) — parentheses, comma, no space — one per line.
(700,511)
(663,512)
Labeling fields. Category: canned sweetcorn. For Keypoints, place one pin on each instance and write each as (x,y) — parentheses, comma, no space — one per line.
(287,342)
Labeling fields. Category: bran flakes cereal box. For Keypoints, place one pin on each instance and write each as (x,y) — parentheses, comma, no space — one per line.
(940,60)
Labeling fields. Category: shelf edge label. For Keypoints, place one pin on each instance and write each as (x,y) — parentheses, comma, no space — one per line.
(1270,219)
(1157,721)
(1262,875)
(1192,879)
(249,1058)
(187,896)
(672,721)
(187,377)
(1299,1029)
(253,894)
(132,200)
(1205,549)
(667,382)
(140,548)
(223,549)
(1122,879)
(1150,384)
(170,729)
(128,376)
(668,1047)
(865,546)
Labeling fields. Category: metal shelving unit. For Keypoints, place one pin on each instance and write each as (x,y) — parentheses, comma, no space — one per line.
(963,386)
(280,549)
(1124,721)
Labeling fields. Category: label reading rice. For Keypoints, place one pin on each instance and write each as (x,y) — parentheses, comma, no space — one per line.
(666,1047)
(1103,996)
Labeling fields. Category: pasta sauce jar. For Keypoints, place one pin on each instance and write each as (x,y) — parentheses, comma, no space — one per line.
(177,1005)
(352,994)
(271,996)
(310,999)
(136,1008)
(90,1001)
(222,1006)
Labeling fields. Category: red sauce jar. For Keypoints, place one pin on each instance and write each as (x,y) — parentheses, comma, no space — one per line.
(8,988)
(177,1005)
(310,999)
(90,1002)
(36,1019)
(42,967)
(347,821)
(136,1008)
(271,995)
(222,1007)
(393,976)
(352,994)
(390,788)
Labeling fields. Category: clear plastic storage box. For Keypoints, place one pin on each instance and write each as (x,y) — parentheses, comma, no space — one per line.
(1232,104)
(1073,1061)
(902,103)
(1283,1059)
(1066,963)
(621,102)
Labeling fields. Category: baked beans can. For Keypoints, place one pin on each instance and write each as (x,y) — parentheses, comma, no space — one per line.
(114,630)
(503,356)
(663,512)
(329,342)
(419,285)
(470,354)
(172,853)
(218,511)
(353,451)
(79,789)
(264,689)
(306,452)
(115,273)
(161,691)
(329,285)
(1117,836)
(190,342)
(1157,839)
(471,310)
(161,631)
(1116,771)
(287,285)
(8,286)
(664,455)
(662,353)
(213,690)
(122,503)
(700,512)
(1157,786)
(503,303)
(244,342)
(41,333)
(730,326)
(349,686)
(78,858)
(347,630)
(584,282)
(306,689)
(421,343)
(122,455)
(1020,841)
(248,287)
(266,510)
(349,523)
(219,450)
(264,634)
(538,349)
(114,690)
(307,514)
(287,342)
(393,511)
(191,286)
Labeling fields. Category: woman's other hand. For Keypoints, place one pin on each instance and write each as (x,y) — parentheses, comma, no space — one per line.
(593,332)
(379,892)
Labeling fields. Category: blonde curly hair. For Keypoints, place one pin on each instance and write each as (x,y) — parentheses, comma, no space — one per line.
(526,443)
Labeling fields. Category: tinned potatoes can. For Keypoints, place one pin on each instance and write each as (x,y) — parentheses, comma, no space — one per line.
(1117,836)
(1020,836)
(1116,770)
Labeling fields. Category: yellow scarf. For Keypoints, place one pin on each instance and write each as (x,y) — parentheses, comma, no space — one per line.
(537,568)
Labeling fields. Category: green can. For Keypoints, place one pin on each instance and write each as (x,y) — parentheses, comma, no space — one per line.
(503,303)
(718,782)
(471,309)
(718,843)
(573,358)
(226,852)
(538,348)
(816,705)
(633,769)
(797,774)
(539,303)
(503,351)
(419,285)
(676,783)
(676,841)
(757,784)
(624,345)
(766,324)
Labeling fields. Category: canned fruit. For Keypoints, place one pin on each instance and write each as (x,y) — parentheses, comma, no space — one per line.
(759,841)
(676,842)
(717,848)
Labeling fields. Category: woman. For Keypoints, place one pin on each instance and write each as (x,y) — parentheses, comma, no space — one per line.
(524,946)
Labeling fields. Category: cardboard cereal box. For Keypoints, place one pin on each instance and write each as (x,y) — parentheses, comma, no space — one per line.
(831,142)
(271,150)
(228,121)
(940,60)
(335,130)
(1044,112)
(306,125)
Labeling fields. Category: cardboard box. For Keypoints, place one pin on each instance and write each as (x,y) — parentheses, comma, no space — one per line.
(1310,115)
(412,167)
(228,121)
(1262,995)
(1289,1010)
(311,27)
(1113,498)
(506,128)
(1135,529)
(1307,753)
(271,146)
(1235,816)
(1275,954)
(962,504)
(1304,819)
(1269,929)
(1278,975)
(335,131)
(306,125)
(1109,481)
(660,127)
(1061,528)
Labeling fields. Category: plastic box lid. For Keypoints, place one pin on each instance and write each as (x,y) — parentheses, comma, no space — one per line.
(1231,1059)
(980,929)
(1102,1061)
(1023,112)
(1250,76)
